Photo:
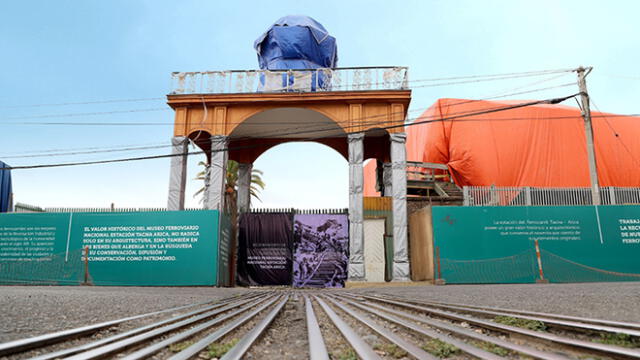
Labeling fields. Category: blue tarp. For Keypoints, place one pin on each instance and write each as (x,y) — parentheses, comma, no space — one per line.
(5,187)
(296,42)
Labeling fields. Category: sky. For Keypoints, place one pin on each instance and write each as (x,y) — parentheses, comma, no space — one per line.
(56,56)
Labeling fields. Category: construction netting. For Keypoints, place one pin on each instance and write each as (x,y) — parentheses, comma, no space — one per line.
(523,268)
(55,269)
(500,244)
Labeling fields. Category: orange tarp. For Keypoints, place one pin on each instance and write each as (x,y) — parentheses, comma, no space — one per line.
(540,146)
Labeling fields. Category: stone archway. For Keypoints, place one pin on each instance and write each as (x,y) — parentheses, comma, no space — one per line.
(243,126)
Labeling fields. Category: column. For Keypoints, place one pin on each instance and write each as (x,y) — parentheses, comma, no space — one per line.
(217,174)
(387,179)
(399,188)
(178,172)
(356,204)
(244,184)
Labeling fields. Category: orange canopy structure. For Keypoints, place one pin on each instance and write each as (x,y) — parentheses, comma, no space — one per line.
(538,146)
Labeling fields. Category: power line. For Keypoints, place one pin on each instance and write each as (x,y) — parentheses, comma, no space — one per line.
(615,133)
(88,152)
(84,114)
(469,81)
(472,78)
(463,79)
(135,147)
(45,151)
(515,106)
(532,73)
(81,103)
(58,123)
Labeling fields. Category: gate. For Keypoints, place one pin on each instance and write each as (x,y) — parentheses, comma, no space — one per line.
(301,248)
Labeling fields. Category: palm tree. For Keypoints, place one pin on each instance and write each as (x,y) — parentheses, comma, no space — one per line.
(231,203)
(231,183)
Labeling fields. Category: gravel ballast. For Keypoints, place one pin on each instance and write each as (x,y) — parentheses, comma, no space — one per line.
(611,301)
(34,310)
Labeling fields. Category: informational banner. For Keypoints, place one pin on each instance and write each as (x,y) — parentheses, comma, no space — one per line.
(265,249)
(129,248)
(321,250)
(576,243)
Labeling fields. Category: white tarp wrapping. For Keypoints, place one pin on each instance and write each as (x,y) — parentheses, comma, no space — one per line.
(244,183)
(217,173)
(178,173)
(387,179)
(207,182)
(399,188)
(374,249)
(356,204)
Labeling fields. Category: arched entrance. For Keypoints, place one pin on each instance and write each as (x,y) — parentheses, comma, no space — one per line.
(243,126)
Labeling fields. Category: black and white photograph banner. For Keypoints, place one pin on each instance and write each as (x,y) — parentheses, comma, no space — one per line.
(321,244)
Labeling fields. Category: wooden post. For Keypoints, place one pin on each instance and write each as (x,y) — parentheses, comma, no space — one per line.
(541,280)
(588,131)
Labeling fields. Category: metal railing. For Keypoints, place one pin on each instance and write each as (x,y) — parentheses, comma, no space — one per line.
(422,171)
(532,196)
(305,80)
(299,211)
(25,208)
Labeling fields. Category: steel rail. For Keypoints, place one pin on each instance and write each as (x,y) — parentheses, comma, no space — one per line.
(437,324)
(547,320)
(21,345)
(194,349)
(363,350)
(612,323)
(410,348)
(145,352)
(602,348)
(241,348)
(126,334)
(471,350)
(317,347)
(128,342)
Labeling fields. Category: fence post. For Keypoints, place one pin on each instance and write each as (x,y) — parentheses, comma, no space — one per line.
(527,195)
(494,200)
(612,195)
(541,280)
(465,196)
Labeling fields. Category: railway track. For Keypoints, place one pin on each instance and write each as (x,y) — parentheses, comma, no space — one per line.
(324,324)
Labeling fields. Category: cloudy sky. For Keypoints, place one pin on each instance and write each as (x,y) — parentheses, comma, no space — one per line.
(76,52)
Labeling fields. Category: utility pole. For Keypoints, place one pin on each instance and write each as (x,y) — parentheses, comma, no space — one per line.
(588,132)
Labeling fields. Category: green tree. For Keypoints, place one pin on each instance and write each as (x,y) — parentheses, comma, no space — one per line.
(231,201)
(231,191)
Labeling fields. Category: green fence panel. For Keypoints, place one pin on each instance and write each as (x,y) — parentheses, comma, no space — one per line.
(577,243)
(33,250)
(129,248)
